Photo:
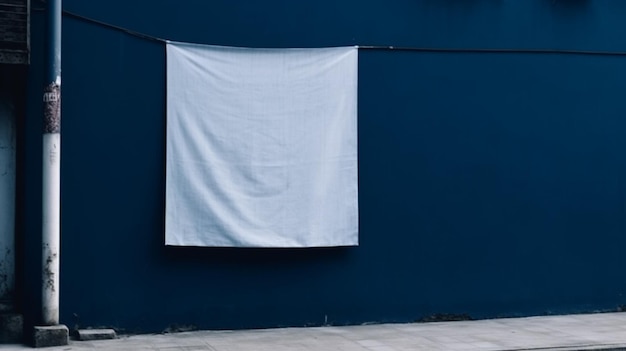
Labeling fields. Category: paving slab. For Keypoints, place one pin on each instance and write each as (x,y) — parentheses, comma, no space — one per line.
(95,334)
(601,331)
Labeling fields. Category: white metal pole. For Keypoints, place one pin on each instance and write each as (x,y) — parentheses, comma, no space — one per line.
(51,227)
(51,174)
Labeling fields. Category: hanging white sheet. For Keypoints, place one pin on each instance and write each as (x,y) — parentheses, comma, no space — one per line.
(261,147)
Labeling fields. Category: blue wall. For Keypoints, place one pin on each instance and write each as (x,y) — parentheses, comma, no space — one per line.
(490,184)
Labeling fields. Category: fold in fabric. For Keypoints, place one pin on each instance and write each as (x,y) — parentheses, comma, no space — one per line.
(261,147)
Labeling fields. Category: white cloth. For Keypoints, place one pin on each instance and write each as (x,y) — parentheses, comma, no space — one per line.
(261,147)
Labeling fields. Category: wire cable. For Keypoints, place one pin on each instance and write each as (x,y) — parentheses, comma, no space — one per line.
(385,47)
(496,50)
(108,25)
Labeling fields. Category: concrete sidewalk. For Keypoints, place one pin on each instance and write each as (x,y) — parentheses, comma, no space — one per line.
(603,331)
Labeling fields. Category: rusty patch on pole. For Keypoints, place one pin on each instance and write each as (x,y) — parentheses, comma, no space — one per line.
(49,282)
(52,108)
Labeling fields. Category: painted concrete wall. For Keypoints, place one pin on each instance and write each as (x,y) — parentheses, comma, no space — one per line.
(7,192)
(490,184)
